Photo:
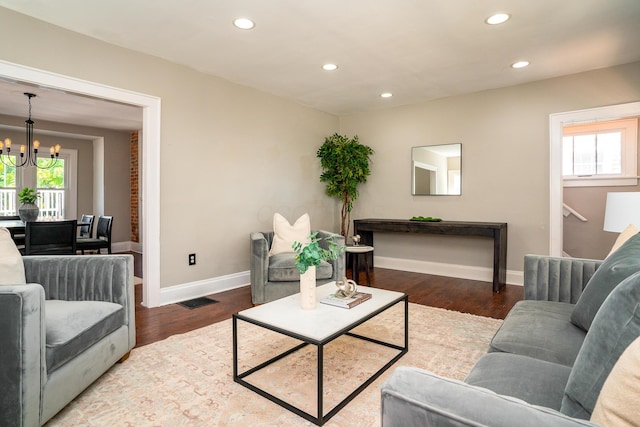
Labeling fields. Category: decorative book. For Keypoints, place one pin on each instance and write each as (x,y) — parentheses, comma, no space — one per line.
(350,302)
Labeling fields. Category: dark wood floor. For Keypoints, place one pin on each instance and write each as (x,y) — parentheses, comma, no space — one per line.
(468,296)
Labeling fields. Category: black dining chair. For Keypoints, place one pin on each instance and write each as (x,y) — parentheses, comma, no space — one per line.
(50,238)
(102,239)
(17,236)
(86,230)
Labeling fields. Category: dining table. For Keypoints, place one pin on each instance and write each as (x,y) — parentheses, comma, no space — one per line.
(18,227)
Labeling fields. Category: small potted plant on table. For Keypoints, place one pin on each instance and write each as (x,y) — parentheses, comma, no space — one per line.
(308,257)
(28,211)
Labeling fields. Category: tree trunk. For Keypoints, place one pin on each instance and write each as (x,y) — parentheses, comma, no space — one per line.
(344,216)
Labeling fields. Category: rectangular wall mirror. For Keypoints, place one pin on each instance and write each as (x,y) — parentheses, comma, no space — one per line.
(436,170)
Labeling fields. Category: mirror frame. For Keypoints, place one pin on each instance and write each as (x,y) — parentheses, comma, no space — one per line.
(433,170)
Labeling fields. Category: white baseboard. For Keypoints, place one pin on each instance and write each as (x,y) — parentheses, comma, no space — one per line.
(451,270)
(187,291)
(128,246)
(214,285)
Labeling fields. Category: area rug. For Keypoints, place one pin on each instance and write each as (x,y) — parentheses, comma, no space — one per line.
(187,379)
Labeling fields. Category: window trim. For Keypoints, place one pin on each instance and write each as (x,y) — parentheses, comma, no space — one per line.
(629,176)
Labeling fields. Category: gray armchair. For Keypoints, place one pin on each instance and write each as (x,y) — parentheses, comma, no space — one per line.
(61,331)
(274,277)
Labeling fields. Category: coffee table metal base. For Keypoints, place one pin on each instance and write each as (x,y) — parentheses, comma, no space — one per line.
(321,417)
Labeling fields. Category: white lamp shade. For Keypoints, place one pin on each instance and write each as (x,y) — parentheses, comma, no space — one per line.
(622,209)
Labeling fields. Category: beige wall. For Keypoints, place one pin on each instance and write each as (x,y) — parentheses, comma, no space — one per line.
(230,156)
(505,146)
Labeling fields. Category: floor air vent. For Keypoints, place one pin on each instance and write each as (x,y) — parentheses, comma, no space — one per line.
(197,302)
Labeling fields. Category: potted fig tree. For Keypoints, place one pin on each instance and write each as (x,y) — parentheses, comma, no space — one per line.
(345,164)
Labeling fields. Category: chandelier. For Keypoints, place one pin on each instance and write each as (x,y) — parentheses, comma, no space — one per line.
(28,152)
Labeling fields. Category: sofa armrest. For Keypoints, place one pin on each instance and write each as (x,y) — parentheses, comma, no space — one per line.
(415,397)
(22,356)
(557,279)
(339,264)
(259,269)
(106,278)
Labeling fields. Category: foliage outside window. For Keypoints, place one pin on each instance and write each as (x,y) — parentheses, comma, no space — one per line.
(600,154)
(52,177)
(7,188)
(7,173)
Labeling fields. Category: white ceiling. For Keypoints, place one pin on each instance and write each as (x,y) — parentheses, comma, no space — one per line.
(416,49)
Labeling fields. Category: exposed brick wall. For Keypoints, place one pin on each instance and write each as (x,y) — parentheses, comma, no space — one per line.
(135,236)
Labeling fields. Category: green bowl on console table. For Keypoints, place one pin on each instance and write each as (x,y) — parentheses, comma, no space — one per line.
(425,219)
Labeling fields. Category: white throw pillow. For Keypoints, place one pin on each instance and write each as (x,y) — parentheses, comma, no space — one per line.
(11,265)
(618,402)
(626,234)
(284,234)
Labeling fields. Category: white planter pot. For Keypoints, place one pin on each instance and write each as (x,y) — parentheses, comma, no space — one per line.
(308,299)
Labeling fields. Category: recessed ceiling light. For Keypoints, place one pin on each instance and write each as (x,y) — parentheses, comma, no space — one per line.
(520,64)
(244,23)
(386,95)
(498,18)
(329,67)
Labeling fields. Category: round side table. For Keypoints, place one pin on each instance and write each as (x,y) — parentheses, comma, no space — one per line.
(357,252)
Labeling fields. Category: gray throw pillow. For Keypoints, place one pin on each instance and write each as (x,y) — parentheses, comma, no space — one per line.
(616,267)
(616,325)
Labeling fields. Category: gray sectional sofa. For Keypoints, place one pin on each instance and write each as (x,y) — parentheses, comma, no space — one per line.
(549,359)
(61,331)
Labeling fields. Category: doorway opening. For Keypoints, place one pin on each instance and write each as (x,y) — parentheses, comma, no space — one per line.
(150,182)
(556,124)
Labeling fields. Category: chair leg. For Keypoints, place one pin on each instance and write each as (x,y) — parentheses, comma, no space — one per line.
(125,357)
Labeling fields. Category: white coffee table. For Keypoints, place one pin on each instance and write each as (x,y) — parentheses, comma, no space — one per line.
(318,327)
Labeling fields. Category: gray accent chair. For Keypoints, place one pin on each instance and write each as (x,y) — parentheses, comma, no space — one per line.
(72,321)
(275,277)
(541,369)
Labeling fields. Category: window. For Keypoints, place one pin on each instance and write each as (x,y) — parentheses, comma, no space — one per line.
(600,154)
(51,186)
(7,187)
(57,186)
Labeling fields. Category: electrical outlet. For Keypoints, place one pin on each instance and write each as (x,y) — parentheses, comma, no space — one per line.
(192,259)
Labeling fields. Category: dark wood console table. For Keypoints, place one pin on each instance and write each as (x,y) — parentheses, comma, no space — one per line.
(495,230)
